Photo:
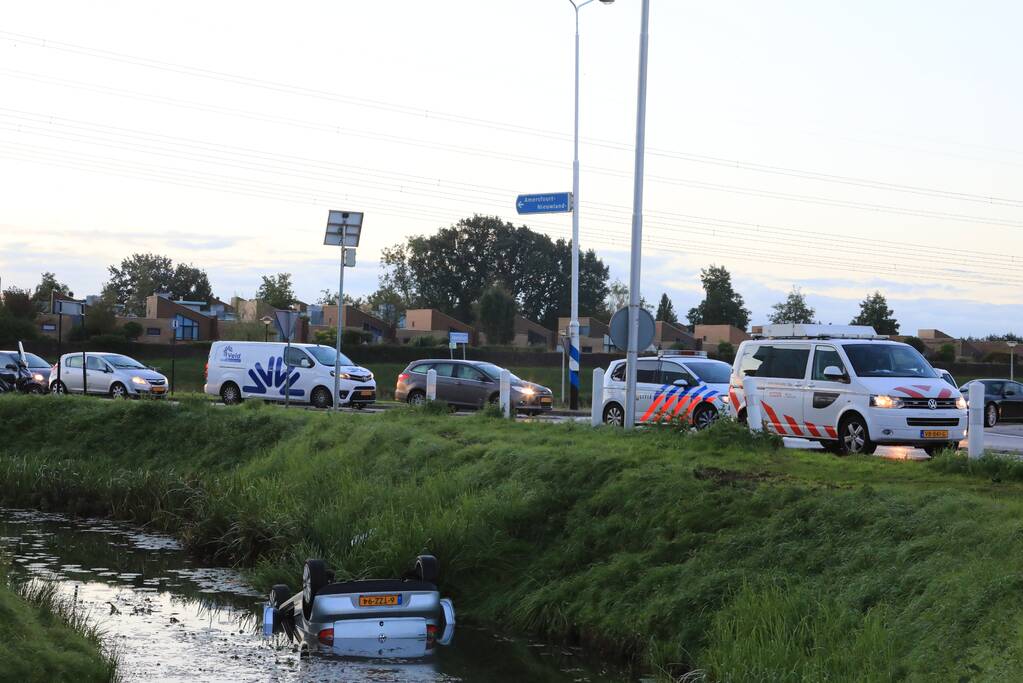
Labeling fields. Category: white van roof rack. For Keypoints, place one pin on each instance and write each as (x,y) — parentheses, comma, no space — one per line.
(807,331)
(682,352)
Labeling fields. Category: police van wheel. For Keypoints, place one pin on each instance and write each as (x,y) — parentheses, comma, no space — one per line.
(853,437)
(704,417)
(314,579)
(320,398)
(230,395)
(614,415)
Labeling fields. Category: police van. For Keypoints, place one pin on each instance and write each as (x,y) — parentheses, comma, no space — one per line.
(846,387)
(687,387)
(239,370)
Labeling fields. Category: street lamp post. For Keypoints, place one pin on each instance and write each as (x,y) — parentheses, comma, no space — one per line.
(344,228)
(267,321)
(573,325)
(632,354)
(1012,357)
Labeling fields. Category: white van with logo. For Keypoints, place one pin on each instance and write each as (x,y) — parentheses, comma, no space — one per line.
(688,388)
(239,370)
(847,388)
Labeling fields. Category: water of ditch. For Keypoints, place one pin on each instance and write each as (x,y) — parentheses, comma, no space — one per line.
(172,619)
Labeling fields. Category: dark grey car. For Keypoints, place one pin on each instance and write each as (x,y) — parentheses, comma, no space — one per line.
(470,384)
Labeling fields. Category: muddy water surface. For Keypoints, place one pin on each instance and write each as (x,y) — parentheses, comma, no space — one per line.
(171,619)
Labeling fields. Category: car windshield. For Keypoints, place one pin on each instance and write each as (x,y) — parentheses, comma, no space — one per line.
(711,373)
(493,371)
(124,362)
(328,356)
(35,361)
(888,360)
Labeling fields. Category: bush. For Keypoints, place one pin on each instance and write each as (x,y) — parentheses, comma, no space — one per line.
(425,341)
(109,342)
(917,343)
(947,353)
(726,351)
(13,329)
(355,337)
(132,330)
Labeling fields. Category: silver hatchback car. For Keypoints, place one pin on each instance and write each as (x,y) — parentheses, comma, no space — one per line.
(110,374)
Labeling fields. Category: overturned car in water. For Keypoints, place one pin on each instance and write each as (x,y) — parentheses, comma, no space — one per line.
(393,618)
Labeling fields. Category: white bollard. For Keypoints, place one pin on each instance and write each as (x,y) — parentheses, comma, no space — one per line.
(597,402)
(431,385)
(754,416)
(976,425)
(506,393)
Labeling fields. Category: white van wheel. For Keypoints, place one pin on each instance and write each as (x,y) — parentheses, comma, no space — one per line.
(230,394)
(614,415)
(320,398)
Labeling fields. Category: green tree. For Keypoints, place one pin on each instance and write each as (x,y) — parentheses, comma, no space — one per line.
(190,283)
(726,351)
(722,305)
(874,312)
(497,310)
(917,343)
(139,276)
(793,310)
(18,303)
(48,286)
(386,303)
(100,318)
(132,330)
(947,353)
(451,269)
(666,310)
(617,297)
(276,290)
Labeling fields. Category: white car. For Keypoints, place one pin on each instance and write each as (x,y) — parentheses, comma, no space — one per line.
(238,370)
(847,388)
(111,374)
(693,389)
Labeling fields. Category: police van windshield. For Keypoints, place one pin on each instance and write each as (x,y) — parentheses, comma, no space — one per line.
(327,355)
(711,373)
(888,360)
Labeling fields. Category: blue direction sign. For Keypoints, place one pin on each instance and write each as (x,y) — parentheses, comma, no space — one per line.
(552,202)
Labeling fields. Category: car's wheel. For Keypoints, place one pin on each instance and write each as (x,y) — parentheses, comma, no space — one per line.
(495,399)
(990,415)
(58,388)
(614,415)
(118,390)
(704,417)
(854,438)
(320,398)
(416,397)
(230,394)
(358,406)
(279,595)
(36,389)
(314,577)
(427,568)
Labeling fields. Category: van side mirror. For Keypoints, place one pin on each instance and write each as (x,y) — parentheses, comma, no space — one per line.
(834,374)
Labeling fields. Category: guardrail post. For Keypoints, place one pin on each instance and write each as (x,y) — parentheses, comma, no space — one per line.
(976,424)
(431,385)
(597,402)
(754,416)
(506,393)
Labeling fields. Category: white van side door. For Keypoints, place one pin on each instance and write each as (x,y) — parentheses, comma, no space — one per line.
(825,397)
(303,380)
(782,373)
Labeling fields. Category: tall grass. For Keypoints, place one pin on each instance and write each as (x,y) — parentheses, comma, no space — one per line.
(716,552)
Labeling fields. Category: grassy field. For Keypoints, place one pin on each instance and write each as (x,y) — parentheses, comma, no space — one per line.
(188,376)
(45,638)
(715,553)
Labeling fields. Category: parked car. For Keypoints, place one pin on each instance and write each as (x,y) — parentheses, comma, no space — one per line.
(1003,400)
(112,374)
(470,384)
(847,388)
(403,617)
(36,378)
(669,387)
(238,370)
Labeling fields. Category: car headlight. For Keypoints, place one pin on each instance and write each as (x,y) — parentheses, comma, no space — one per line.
(37,377)
(527,391)
(139,381)
(341,375)
(885,401)
(961,403)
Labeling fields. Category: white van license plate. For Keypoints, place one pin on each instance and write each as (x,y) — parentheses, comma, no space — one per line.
(933,433)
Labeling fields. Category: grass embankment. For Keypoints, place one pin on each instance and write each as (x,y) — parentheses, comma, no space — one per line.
(708,552)
(188,376)
(45,638)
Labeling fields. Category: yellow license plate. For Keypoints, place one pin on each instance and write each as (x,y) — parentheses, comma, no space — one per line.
(934,433)
(546,399)
(367,394)
(158,390)
(379,600)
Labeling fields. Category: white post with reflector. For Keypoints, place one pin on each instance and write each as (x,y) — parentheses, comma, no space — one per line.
(431,385)
(754,416)
(976,426)
(597,402)
(506,393)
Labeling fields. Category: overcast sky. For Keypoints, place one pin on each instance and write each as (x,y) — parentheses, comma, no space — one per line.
(842,147)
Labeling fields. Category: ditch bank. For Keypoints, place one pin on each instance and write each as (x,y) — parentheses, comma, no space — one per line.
(715,554)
